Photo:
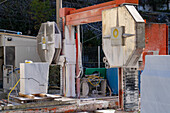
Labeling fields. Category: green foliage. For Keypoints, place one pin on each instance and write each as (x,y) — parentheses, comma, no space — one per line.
(14,16)
(40,12)
(156,4)
(91,39)
(54,76)
(25,15)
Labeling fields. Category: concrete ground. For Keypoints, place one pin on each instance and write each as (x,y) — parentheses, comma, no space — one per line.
(65,105)
(68,105)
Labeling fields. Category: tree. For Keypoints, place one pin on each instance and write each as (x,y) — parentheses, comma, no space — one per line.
(14,15)
(167,4)
(41,12)
(157,4)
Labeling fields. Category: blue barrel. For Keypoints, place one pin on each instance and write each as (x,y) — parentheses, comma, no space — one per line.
(112,79)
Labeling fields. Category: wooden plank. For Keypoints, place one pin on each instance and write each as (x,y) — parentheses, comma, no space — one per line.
(37,98)
(26,96)
(39,105)
(54,96)
(65,99)
(40,95)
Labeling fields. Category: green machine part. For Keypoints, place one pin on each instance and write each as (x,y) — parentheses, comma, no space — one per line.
(102,71)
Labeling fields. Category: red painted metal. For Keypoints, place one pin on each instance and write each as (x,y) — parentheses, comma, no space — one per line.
(120,89)
(85,17)
(156,39)
(167,35)
(77,68)
(90,14)
(127,1)
(65,11)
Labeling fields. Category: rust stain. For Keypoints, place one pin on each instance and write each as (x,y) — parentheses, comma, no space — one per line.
(70,34)
(71,110)
(53,110)
(155,40)
(117,103)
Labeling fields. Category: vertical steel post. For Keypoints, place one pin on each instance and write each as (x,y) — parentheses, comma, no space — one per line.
(77,62)
(120,81)
(82,43)
(58,6)
(98,56)
(64,79)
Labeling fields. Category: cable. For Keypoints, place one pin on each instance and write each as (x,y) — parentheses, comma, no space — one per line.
(19,81)
(91,38)
(78,3)
(14,71)
(79,74)
(94,77)
(13,89)
(110,91)
(3,2)
(94,28)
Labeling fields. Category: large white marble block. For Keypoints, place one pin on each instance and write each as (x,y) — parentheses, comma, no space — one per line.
(34,78)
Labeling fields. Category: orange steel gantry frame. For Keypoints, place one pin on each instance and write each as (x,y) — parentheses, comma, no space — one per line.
(90,14)
(73,17)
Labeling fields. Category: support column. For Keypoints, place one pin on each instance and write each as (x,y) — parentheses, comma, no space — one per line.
(77,61)
(131,89)
(69,53)
(58,6)
(98,56)
(64,79)
(120,85)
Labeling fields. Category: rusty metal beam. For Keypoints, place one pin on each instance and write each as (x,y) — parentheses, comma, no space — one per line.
(127,2)
(117,2)
(88,16)
(92,13)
